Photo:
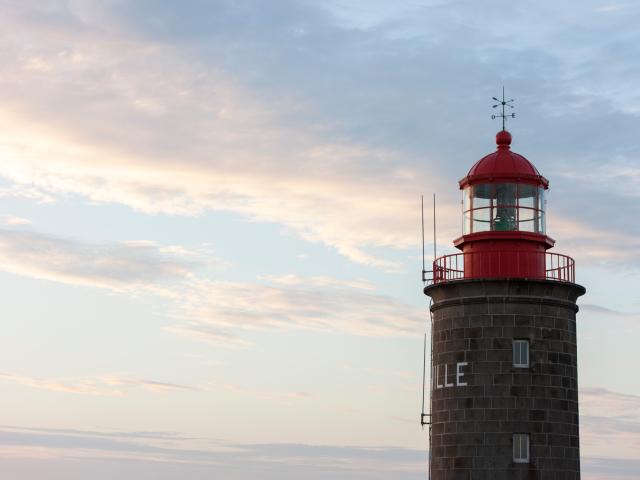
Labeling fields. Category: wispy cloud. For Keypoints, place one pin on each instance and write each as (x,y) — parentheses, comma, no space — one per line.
(105,385)
(605,403)
(595,468)
(116,266)
(13,220)
(291,280)
(610,423)
(338,151)
(592,245)
(261,393)
(209,310)
(199,140)
(74,452)
(218,311)
(600,310)
(221,459)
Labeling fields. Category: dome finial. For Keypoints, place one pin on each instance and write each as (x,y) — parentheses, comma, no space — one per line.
(503,139)
(504,103)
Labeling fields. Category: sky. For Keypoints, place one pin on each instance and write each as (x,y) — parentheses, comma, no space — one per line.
(210,224)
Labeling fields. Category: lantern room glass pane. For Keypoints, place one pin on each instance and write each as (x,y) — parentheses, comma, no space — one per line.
(506,194)
(504,219)
(541,199)
(542,228)
(481,220)
(466,198)
(504,213)
(482,195)
(526,220)
(466,226)
(527,194)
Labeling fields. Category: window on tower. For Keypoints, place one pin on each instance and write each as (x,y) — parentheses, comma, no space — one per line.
(521,448)
(521,353)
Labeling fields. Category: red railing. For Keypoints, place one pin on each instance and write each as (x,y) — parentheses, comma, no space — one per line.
(446,268)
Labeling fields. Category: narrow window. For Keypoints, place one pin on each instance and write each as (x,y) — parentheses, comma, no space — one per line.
(521,448)
(521,353)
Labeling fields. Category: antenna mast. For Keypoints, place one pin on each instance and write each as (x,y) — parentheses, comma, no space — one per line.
(424,373)
(422,223)
(434,227)
(425,418)
(424,353)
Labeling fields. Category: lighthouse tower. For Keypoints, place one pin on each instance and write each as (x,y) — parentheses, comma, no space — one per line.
(504,392)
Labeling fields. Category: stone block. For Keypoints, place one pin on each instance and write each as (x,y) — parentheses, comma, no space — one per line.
(476,308)
(500,356)
(479,321)
(491,332)
(502,320)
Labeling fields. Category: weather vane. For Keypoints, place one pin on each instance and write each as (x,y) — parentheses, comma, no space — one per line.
(504,103)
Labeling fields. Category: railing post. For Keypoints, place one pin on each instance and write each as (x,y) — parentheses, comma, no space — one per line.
(446,270)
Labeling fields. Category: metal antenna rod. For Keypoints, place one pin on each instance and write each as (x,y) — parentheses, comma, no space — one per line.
(434,227)
(424,377)
(424,352)
(422,223)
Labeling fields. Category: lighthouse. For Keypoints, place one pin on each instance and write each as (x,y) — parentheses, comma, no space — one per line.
(504,389)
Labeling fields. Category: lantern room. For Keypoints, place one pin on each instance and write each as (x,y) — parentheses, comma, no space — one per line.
(503,192)
(503,222)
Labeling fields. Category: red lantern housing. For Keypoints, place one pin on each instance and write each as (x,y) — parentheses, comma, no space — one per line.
(504,231)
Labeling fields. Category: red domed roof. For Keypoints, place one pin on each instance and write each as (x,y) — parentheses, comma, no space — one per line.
(503,165)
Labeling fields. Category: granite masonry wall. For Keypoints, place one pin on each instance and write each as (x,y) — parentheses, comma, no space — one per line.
(479,399)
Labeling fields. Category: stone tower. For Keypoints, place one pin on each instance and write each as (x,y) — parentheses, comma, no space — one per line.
(504,393)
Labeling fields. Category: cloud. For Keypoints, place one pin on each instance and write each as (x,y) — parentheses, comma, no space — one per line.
(600,310)
(199,458)
(105,385)
(199,140)
(334,133)
(261,393)
(220,312)
(214,311)
(595,468)
(199,330)
(290,280)
(592,245)
(73,454)
(116,266)
(609,423)
(13,220)
(605,403)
